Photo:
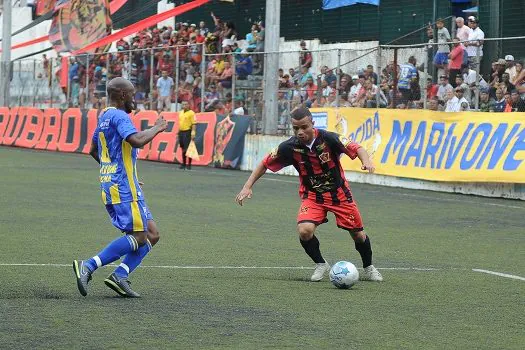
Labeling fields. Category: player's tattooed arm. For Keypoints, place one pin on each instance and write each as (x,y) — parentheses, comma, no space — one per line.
(246,191)
(94,152)
(362,154)
(142,138)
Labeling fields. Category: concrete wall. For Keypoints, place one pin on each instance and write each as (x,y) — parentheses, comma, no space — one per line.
(257,146)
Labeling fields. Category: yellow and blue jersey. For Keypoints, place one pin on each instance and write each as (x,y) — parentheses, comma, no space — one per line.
(118,159)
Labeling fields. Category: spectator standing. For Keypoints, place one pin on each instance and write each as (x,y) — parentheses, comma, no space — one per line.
(165,86)
(456,60)
(462,31)
(408,74)
(520,75)
(358,82)
(510,67)
(187,131)
(443,37)
(306,58)
(475,42)
(203,29)
(370,74)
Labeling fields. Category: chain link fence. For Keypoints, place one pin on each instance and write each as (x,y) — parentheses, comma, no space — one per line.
(369,76)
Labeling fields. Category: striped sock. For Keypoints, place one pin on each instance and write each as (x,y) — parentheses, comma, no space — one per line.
(132,260)
(119,247)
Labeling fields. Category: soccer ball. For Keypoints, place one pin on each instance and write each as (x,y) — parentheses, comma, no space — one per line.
(344,274)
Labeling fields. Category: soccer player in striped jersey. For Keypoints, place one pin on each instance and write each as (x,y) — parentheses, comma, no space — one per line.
(323,187)
(115,146)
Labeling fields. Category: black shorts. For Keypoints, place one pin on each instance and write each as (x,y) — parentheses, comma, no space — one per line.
(184,139)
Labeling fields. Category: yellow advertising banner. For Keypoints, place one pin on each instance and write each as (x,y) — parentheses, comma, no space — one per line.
(437,146)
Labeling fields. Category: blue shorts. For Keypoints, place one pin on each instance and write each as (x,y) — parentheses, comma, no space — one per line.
(441,58)
(130,216)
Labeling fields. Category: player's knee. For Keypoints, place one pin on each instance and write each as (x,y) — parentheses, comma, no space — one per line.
(153,237)
(359,236)
(306,231)
(141,237)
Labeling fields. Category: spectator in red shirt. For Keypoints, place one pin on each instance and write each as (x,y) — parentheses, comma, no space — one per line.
(432,89)
(456,60)
(310,89)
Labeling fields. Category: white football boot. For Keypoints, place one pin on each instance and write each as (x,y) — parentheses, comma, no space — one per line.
(370,273)
(320,270)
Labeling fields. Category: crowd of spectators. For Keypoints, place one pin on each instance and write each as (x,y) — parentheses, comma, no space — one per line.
(454,88)
(150,60)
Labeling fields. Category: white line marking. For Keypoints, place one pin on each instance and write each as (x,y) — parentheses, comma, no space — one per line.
(225,267)
(500,274)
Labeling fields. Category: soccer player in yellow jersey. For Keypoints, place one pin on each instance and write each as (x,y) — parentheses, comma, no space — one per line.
(187,129)
(115,147)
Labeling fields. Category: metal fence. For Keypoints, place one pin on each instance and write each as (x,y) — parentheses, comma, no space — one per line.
(370,76)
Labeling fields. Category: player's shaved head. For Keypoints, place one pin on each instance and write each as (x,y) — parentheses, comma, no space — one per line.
(121,94)
(119,84)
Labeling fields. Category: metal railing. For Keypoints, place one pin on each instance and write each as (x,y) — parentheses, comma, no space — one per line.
(368,76)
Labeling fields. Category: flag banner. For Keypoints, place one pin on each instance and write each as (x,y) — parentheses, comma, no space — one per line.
(114,6)
(71,130)
(79,23)
(436,146)
(229,140)
(333,4)
(44,6)
(145,23)
(192,152)
(61,4)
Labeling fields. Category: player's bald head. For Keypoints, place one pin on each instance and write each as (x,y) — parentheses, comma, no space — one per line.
(119,84)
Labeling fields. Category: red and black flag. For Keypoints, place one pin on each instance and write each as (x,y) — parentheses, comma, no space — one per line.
(78,23)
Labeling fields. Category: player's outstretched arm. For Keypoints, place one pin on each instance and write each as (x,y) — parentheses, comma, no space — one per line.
(362,154)
(246,191)
(142,138)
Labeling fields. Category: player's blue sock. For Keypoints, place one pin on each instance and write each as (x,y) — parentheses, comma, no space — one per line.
(132,260)
(119,247)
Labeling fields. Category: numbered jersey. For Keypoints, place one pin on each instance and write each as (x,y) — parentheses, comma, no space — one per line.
(407,73)
(118,160)
(322,178)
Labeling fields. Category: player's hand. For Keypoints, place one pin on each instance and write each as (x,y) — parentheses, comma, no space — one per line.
(161,124)
(245,193)
(368,166)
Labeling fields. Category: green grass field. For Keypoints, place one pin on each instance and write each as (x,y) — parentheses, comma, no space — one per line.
(425,244)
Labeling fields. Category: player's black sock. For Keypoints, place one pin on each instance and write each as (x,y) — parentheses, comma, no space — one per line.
(311,248)
(365,250)
(183,158)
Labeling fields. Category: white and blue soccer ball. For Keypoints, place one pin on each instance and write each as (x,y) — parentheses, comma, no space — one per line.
(344,274)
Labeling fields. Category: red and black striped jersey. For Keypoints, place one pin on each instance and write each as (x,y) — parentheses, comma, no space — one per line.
(321,175)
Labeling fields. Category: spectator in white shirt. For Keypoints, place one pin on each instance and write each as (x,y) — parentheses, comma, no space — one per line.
(457,103)
(475,43)
(511,67)
(463,31)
